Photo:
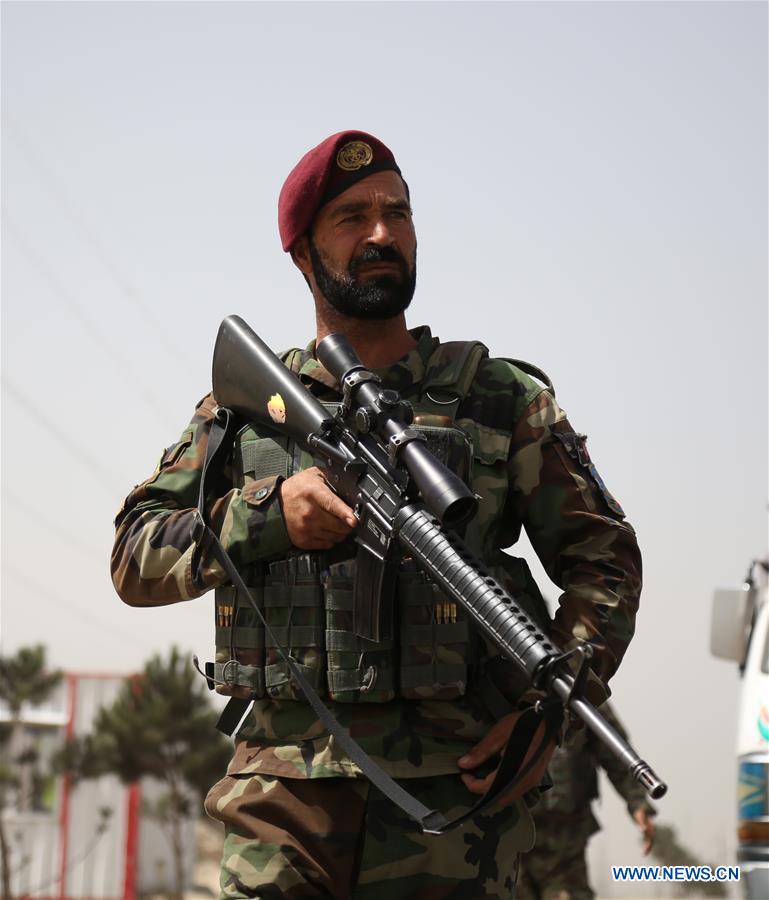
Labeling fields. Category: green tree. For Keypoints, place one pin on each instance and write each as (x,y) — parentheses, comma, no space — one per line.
(24,679)
(161,725)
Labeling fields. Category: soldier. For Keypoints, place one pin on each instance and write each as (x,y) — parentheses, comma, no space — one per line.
(300,821)
(556,867)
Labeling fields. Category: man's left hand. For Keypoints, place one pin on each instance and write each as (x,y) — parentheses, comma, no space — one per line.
(645,821)
(491,746)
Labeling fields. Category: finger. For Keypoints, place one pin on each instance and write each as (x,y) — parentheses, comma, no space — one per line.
(489,746)
(477,785)
(333,537)
(650,834)
(323,521)
(328,501)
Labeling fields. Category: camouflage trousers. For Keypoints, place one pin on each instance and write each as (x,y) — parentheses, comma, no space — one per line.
(291,839)
(556,868)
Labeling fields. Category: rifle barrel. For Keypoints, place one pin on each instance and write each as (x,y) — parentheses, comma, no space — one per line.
(453,567)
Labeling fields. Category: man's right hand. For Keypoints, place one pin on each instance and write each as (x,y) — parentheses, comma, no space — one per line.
(315,517)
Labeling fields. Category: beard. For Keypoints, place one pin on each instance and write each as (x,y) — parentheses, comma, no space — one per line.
(375,299)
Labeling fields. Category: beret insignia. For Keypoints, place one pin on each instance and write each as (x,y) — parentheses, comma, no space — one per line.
(354,156)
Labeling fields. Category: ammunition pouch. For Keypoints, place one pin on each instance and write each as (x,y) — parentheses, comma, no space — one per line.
(309,607)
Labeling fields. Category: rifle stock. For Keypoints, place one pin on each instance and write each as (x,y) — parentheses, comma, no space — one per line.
(251,381)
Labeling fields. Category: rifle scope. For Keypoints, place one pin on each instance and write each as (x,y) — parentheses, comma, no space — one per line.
(443,492)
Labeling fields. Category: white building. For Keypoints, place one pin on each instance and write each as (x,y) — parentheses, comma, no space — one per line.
(61,843)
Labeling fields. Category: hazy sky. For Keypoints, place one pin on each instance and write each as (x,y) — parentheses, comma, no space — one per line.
(590,191)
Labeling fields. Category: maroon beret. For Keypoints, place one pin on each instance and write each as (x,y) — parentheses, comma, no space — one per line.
(325,172)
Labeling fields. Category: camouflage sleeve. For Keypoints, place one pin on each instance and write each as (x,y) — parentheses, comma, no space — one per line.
(624,784)
(579,532)
(152,556)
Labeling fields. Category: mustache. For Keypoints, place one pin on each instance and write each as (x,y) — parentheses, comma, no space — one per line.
(378,254)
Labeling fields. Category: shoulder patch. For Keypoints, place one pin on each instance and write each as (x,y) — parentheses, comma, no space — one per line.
(575,446)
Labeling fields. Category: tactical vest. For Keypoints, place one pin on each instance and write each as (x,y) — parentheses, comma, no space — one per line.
(307,598)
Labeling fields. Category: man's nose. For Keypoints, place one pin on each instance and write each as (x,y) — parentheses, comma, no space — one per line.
(380,235)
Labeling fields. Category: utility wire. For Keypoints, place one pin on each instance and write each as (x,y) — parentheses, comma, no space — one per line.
(58,196)
(59,602)
(61,533)
(98,471)
(108,347)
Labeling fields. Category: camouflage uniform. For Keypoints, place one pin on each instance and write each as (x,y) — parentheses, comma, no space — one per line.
(556,869)
(530,469)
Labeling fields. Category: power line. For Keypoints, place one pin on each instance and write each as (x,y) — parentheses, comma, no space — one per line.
(33,159)
(104,476)
(83,615)
(66,536)
(108,347)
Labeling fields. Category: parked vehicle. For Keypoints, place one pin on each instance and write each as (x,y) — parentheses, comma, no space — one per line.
(740,632)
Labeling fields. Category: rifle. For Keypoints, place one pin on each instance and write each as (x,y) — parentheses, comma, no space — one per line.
(408,504)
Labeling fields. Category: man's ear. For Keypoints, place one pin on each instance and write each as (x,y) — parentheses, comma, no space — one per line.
(300,254)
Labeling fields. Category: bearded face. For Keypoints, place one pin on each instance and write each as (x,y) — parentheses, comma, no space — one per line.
(378,283)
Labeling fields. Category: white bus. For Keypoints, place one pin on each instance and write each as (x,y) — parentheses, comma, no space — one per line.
(740,632)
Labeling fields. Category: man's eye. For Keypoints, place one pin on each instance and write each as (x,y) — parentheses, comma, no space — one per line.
(351,219)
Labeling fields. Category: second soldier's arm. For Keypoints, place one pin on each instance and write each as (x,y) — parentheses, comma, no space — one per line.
(153,551)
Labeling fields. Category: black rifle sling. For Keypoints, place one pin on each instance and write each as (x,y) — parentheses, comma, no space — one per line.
(431,821)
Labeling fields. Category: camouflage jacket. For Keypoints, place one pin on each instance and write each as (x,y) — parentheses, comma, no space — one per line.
(543,480)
